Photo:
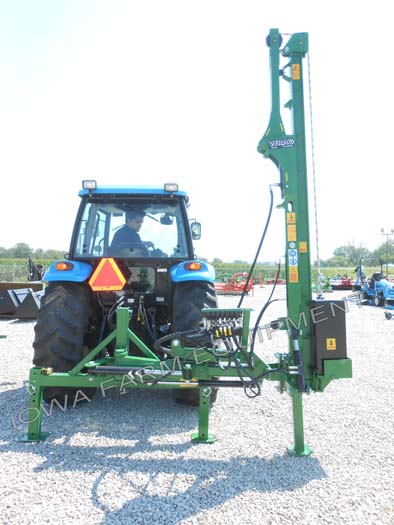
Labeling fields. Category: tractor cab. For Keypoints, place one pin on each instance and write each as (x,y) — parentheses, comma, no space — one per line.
(104,227)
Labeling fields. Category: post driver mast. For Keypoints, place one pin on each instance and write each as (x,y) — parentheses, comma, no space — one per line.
(317,337)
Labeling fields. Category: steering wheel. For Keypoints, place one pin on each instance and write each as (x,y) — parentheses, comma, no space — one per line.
(130,250)
(153,252)
(156,252)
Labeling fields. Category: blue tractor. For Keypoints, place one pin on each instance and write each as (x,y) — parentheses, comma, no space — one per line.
(130,247)
(376,290)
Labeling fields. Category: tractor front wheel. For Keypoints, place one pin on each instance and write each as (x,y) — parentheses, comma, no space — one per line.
(378,300)
(59,336)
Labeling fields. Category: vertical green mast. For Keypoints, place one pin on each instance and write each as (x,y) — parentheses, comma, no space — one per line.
(288,152)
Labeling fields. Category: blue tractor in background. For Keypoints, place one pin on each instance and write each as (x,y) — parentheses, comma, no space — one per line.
(154,273)
(377,290)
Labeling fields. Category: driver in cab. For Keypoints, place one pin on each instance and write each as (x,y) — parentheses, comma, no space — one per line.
(128,233)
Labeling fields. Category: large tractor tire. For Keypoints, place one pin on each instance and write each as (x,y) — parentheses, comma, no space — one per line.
(190,298)
(59,336)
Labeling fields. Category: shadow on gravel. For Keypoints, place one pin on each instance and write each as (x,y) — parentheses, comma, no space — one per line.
(209,483)
(147,470)
(129,416)
(130,489)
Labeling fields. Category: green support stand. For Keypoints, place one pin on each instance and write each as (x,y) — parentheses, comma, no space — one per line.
(34,433)
(299,448)
(203,436)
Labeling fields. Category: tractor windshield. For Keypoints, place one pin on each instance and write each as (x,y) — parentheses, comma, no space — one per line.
(132,229)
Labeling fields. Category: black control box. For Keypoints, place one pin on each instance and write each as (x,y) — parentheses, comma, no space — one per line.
(328,331)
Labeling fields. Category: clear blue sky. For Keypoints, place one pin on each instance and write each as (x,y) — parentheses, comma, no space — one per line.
(178,90)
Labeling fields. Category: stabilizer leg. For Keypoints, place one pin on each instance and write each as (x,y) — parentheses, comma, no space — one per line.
(203,436)
(299,448)
(34,411)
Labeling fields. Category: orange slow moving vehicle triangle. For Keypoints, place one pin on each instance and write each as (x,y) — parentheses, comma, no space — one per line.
(107,277)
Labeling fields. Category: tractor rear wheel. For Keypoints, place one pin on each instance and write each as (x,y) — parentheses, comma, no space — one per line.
(59,336)
(190,298)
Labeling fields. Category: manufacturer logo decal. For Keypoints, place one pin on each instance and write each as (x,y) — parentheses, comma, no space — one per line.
(281,143)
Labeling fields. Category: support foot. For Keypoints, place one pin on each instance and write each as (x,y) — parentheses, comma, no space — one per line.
(203,438)
(33,438)
(305,451)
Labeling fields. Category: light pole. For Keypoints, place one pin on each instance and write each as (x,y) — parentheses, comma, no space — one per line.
(387,234)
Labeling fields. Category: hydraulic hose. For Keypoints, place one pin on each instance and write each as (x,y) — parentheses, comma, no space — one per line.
(262,311)
(259,246)
(300,379)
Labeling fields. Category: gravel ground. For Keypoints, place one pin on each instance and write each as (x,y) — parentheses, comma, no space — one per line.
(109,462)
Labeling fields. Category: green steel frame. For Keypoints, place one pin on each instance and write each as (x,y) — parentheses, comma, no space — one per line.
(199,367)
(186,368)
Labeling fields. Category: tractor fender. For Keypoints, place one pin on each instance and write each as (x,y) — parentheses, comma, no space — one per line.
(77,272)
(181,272)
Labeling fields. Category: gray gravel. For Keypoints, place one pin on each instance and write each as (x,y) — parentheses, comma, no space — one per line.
(128,458)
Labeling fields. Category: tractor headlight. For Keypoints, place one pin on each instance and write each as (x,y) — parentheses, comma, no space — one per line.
(170,187)
(89,184)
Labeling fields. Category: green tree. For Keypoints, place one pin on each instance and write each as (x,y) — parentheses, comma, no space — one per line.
(54,254)
(351,252)
(3,252)
(39,254)
(337,261)
(21,250)
(384,250)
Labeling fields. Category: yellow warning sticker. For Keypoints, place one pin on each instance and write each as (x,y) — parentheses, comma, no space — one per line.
(291,217)
(291,232)
(303,247)
(293,274)
(331,343)
(296,71)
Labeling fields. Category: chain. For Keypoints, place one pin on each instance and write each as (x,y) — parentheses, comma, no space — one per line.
(319,283)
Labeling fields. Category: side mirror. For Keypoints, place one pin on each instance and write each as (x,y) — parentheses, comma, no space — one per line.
(195,228)
(166,219)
